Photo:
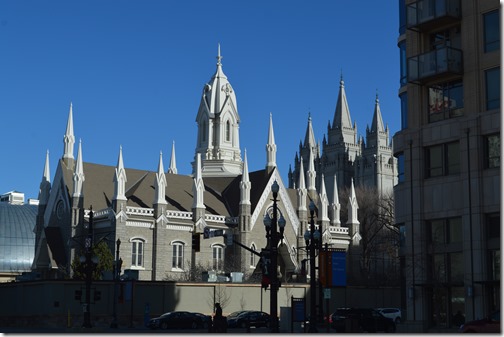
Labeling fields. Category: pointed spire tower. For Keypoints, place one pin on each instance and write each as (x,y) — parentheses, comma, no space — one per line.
(173,161)
(323,203)
(271,147)
(335,206)
(311,174)
(78,176)
(45,184)
(198,206)
(69,141)
(353,222)
(218,122)
(160,183)
(119,181)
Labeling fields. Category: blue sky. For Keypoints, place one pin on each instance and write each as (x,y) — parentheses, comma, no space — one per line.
(134,71)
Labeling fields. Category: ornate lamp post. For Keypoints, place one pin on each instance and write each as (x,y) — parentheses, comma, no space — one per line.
(312,238)
(273,237)
(117,274)
(90,263)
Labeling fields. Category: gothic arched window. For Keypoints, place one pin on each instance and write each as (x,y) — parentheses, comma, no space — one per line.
(252,256)
(228,131)
(178,255)
(137,252)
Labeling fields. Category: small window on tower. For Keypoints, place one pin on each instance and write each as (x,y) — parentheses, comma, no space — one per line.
(228,131)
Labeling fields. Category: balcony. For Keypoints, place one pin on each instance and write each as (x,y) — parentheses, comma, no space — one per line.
(434,65)
(426,14)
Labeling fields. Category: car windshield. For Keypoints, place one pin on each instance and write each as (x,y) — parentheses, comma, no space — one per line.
(236,313)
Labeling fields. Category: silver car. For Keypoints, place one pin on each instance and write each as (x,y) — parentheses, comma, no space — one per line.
(392,313)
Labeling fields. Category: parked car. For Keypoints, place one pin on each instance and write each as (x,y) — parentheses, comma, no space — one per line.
(356,320)
(206,319)
(393,313)
(491,324)
(248,318)
(177,320)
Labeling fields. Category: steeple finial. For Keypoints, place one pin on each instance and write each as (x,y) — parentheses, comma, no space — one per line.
(271,146)
(160,182)
(78,176)
(219,57)
(120,178)
(173,163)
(245,184)
(45,184)
(69,138)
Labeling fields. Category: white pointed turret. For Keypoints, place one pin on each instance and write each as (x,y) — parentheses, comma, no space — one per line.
(301,191)
(353,222)
(198,185)
(160,183)
(335,206)
(78,176)
(45,184)
(323,201)
(377,123)
(311,175)
(309,140)
(69,138)
(271,146)
(120,178)
(245,184)
(342,113)
(173,162)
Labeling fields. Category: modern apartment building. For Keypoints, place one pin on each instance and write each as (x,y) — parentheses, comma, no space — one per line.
(448,194)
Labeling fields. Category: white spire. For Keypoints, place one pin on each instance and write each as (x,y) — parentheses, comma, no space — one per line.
(78,176)
(323,201)
(311,173)
(160,183)
(271,146)
(69,139)
(173,162)
(352,206)
(245,184)
(120,178)
(45,184)
(377,123)
(335,206)
(198,186)
(342,113)
(301,191)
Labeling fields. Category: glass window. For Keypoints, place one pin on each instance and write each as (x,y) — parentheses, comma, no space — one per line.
(445,231)
(178,255)
(455,229)
(228,131)
(491,31)
(456,267)
(492,86)
(492,223)
(404,63)
(438,232)
(492,151)
(494,264)
(446,101)
(402,235)
(137,250)
(400,167)
(435,161)
(442,160)
(452,158)
(218,257)
(404,110)
(252,256)
(402,17)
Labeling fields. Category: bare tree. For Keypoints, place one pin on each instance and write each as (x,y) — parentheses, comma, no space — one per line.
(220,294)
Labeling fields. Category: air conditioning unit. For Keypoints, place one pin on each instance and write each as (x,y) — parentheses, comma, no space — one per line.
(236,277)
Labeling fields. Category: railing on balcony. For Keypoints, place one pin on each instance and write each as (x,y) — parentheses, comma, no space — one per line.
(422,12)
(436,63)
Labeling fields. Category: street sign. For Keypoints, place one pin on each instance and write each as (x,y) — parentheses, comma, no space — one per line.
(327,294)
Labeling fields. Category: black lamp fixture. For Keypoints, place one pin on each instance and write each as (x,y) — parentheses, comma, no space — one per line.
(274,233)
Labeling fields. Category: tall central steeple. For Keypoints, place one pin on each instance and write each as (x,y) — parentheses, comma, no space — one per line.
(218,128)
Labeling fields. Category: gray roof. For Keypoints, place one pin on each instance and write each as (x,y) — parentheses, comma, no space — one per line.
(17,239)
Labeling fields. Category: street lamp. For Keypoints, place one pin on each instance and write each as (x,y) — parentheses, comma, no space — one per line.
(273,237)
(312,238)
(117,274)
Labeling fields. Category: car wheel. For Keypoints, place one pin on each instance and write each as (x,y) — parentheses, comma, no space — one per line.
(194,325)
(164,325)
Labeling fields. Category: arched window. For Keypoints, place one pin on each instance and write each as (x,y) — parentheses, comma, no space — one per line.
(137,252)
(218,257)
(228,131)
(178,255)
(252,256)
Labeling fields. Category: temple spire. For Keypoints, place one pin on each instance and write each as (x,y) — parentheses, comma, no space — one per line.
(120,178)
(45,184)
(335,206)
(78,176)
(173,162)
(160,183)
(271,146)
(377,123)
(69,139)
(342,113)
(245,184)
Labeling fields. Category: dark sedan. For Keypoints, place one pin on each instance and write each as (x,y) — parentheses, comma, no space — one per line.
(248,319)
(178,320)
(356,320)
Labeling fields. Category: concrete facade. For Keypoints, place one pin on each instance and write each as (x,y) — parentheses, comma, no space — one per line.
(449,193)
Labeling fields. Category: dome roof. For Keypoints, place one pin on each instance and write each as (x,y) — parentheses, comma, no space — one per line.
(17,239)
